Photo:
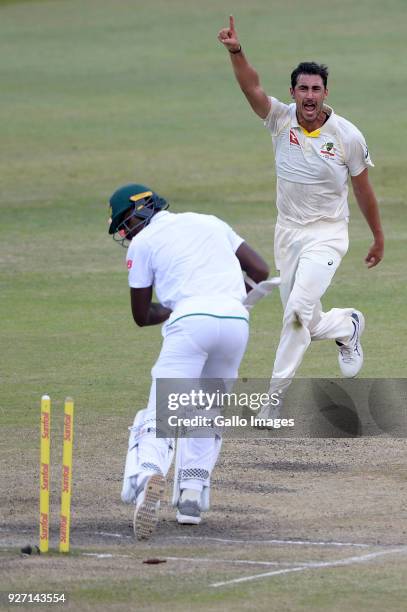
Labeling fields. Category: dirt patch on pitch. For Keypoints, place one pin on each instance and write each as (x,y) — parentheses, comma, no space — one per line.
(274,504)
(333,490)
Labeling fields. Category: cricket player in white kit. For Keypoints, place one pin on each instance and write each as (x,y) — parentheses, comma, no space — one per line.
(194,262)
(315,152)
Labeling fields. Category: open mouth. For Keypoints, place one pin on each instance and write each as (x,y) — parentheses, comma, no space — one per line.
(309,107)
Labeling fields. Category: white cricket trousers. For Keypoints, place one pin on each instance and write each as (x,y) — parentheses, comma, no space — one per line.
(197,346)
(308,257)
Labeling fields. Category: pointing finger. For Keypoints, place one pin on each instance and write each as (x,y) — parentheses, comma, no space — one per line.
(232,23)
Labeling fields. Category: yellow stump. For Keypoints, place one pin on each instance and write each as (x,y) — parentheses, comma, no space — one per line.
(65,517)
(45,472)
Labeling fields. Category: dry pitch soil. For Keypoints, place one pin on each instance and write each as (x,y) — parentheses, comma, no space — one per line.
(341,490)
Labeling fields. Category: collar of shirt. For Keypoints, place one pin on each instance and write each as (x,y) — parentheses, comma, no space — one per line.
(326,128)
(159,216)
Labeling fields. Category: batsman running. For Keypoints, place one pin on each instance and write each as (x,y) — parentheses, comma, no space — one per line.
(194,262)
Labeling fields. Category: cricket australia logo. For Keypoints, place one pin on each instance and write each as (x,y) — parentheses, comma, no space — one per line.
(328,150)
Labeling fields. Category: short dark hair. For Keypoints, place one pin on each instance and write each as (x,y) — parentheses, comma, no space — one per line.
(309,68)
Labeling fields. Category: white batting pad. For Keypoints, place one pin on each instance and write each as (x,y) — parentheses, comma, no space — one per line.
(193,469)
(146,453)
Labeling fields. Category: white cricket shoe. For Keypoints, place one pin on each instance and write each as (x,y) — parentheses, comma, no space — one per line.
(351,354)
(147,506)
(188,508)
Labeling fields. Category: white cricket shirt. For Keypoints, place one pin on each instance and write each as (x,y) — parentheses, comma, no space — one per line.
(313,167)
(190,260)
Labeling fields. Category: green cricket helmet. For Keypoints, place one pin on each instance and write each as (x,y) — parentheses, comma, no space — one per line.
(129,201)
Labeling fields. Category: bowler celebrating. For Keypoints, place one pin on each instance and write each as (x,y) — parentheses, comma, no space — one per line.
(315,153)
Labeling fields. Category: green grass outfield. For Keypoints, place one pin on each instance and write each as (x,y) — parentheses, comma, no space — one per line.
(99,93)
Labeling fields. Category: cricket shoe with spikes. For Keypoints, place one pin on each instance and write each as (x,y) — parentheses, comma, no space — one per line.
(189,508)
(148,505)
(351,354)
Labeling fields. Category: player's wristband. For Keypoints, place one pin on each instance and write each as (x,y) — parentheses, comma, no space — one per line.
(239,50)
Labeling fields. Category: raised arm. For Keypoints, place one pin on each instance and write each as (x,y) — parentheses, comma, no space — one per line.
(245,74)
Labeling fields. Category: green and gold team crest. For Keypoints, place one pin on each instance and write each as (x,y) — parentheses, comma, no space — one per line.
(328,149)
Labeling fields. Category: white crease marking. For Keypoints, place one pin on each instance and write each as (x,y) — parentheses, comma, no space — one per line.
(104,555)
(112,535)
(316,565)
(294,542)
(237,561)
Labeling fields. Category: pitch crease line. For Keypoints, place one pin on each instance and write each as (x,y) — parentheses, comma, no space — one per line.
(105,555)
(112,535)
(294,542)
(316,565)
(289,564)
(238,561)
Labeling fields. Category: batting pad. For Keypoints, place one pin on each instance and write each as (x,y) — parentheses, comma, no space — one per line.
(146,454)
(193,473)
